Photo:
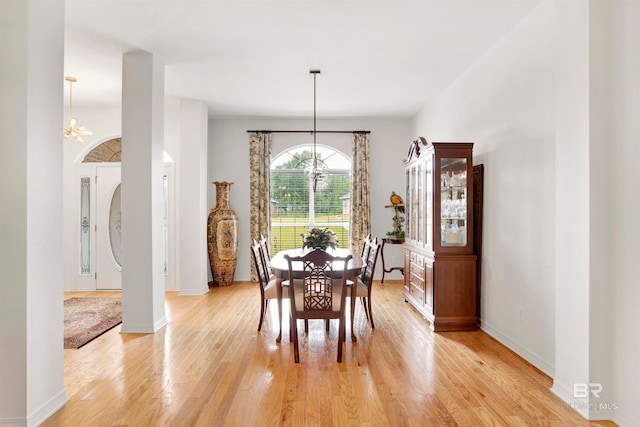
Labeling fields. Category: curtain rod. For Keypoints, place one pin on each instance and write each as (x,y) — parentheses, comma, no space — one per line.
(309,131)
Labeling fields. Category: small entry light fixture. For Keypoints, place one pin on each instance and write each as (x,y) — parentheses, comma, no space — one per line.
(74,130)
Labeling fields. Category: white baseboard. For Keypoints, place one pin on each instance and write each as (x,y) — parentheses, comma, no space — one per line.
(48,409)
(545,366)
(144,328)
(13,422)
(565,393)
(193,292)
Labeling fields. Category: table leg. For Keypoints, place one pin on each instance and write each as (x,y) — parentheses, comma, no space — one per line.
(279,295)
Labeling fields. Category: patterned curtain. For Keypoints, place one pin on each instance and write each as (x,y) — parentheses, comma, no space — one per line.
(260,189)
(360,223)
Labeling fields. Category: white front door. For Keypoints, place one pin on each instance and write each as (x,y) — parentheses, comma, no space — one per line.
(108,230)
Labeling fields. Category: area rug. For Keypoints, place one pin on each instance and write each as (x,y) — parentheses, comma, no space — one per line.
(88,318)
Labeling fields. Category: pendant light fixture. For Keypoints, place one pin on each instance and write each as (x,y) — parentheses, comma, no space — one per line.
(74,130)
(316,173)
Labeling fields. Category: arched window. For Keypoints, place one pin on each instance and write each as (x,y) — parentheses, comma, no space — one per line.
(296,208)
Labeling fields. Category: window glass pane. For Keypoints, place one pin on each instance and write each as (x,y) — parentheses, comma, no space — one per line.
(296,208)
(85,226)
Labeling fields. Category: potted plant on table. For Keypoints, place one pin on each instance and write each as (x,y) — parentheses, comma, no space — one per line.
(322,238)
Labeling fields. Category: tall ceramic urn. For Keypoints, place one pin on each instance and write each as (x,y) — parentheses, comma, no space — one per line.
(222,237)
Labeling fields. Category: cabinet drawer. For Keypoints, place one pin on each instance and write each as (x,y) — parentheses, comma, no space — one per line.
(417,259)
(416,269)
(417,283)
(417,288)
(417,280)
(420,260)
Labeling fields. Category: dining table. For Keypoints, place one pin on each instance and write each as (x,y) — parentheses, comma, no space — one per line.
(280,268)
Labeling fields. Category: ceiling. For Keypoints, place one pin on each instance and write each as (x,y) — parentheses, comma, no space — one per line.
(252,58)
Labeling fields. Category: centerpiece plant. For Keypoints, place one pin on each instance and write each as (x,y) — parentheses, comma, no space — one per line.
(322,238)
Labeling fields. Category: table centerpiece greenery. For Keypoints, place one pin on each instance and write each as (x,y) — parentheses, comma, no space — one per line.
(319,238)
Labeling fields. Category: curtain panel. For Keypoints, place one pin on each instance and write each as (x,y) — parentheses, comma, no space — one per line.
(360,223)
(260,189)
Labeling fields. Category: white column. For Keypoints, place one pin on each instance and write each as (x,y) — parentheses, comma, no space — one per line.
(142,199)
(583,208)
(601,197)
(193,262)
(572,201)
(31,288)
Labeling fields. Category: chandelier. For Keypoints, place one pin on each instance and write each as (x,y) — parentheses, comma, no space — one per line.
(74,130)
(314,170)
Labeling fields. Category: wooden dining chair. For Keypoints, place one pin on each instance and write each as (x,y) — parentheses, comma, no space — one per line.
(364,282)
(266,255)
(268,290)
(320,294)
(366,244)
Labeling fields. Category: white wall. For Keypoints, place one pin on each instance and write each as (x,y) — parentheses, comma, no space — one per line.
(229,161)
(553,111)
(504,104)
(624,229)
(573,156)
(31,323)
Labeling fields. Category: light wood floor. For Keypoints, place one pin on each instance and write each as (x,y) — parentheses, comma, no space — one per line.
(211,367)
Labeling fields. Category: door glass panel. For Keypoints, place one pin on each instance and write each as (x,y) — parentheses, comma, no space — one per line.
(165,222)
(429,203)
(85,226)
(453,206)
(115,226)
(420,218)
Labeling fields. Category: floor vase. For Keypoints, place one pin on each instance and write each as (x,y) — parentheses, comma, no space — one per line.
(222,237)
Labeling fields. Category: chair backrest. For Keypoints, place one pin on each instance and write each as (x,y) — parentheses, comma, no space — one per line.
(266,254)
(324,279)
(366,245)
(265,247)
(256,251)
(370,267)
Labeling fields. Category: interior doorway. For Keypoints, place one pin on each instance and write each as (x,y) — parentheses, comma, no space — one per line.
(98,246)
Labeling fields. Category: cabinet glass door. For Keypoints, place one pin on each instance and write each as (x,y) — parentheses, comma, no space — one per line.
(407,205)
(415,208)
(420,195)
(453,203)
(428,211)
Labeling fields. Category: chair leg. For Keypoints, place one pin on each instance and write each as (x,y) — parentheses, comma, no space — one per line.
(341,338)
(353,312)
(370,312)
(306,326)
(364,306)
(279,338)
(263,308)
(294,335)
(326,324)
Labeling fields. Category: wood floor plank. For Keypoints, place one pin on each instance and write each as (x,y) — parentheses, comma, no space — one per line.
(210,367)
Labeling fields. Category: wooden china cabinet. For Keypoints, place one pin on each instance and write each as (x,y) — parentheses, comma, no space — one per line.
(439,260)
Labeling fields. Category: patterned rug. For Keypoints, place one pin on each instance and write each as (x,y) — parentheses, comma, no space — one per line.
(88,318)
